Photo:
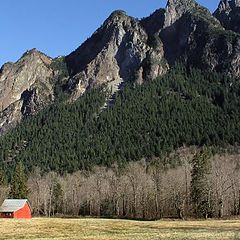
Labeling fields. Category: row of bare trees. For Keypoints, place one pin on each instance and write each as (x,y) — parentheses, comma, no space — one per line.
(141,190)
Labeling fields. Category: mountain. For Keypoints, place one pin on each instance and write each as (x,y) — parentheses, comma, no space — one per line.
(28,86)
(82,104)
(24,87)
(123,49)
(117,52)
(228,13)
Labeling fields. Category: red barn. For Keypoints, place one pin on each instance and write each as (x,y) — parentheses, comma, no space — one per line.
(15,208)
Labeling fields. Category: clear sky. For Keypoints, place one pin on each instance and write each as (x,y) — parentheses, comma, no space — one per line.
(57,27)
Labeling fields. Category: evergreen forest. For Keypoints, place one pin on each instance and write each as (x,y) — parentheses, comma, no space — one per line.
(185,107)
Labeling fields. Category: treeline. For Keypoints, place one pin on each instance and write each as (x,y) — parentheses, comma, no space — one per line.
(186,106)
(203,186)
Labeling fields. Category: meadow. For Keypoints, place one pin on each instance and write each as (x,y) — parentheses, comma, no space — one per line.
(104,229)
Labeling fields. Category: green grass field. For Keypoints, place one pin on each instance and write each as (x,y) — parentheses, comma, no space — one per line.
(61,229)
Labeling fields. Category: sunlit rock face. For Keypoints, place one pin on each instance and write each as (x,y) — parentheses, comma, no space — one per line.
(116,52)
(24,87)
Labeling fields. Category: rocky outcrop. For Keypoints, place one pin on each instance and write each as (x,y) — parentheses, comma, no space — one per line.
(118,51)
(228,13)
(10,116)
(214,49)
(124,48)
(210,46)
(175,9)
(190,33)
(25,87)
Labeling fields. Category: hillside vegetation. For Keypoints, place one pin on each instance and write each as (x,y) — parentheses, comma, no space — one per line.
(184,107)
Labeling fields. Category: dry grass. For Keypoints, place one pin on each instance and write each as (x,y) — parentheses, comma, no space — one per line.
(101,229)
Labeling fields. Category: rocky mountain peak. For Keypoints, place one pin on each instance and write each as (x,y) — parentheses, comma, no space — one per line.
(22,81)
(176,8)
(183,4)
(35,55)
(31,51)
(117,15)
(117,18)
(114,54)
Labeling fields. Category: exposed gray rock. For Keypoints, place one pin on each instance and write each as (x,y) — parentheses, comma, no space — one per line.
(176,26)
(116,51)
(10,116)
(215,50)
(31,74)
(175,9)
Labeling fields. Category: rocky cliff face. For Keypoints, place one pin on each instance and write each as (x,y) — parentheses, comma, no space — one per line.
(190,33)
(117,52)
(24,87)
(228,13)
(126,49)
(175,9)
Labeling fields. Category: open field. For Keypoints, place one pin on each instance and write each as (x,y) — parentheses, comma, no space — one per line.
(102,229)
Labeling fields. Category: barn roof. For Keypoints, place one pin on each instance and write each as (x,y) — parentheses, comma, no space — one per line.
(13,205)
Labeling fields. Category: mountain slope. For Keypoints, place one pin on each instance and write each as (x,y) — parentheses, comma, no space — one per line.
(68,123)
(125,48)
(189,32)
(29,85)
(185,107)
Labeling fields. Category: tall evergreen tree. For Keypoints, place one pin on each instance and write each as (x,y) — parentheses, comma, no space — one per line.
(200,184)
(19,183)
(57,197)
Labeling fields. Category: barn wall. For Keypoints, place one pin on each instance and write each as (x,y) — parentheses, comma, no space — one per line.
(24,212)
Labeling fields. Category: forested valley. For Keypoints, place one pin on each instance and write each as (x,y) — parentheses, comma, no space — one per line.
(202,186)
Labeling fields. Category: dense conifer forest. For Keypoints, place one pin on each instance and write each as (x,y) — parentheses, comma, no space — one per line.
(184,107)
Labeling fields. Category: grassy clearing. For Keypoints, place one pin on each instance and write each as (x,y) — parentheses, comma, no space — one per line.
(102,229)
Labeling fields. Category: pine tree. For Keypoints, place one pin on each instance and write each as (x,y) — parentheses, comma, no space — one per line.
(57,197)
(200,184)
(19,183)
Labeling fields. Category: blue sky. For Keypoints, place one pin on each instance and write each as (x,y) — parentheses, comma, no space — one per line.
(57,27)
